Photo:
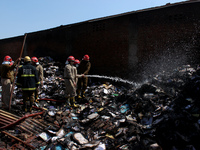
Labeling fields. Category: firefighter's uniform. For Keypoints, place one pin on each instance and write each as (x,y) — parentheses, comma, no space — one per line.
(6,76)
(70,73)
(83,68)
(39,69)
(27,79)
(70,76)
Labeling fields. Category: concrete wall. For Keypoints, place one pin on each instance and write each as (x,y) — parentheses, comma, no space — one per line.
(132,45)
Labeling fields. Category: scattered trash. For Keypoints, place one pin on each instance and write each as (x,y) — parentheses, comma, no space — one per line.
(163,113)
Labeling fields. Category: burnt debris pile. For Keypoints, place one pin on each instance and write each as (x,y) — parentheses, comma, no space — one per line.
(163,113)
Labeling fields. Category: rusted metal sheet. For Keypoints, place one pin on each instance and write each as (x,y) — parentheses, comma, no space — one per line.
(28,145)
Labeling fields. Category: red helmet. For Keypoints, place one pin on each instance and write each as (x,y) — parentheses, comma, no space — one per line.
(86,57)
(7,58)
(76,62)
(70,58)
(34,59)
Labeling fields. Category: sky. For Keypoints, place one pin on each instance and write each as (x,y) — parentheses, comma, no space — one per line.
(18,17)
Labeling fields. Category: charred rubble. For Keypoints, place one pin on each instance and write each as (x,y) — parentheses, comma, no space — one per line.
(162,113)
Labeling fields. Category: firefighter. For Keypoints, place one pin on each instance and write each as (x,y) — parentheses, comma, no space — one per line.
(12,72)
(70,75)
(39,69)
(83,68)
(27,80)
(76,63)
(7,77)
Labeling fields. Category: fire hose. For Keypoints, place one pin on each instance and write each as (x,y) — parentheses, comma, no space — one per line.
(47,99)
(17,120)
(6,117)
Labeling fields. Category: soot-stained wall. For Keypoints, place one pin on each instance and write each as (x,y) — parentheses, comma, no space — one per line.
(168,37)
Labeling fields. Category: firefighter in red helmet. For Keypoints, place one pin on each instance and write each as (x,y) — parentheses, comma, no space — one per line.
(39,69)
(76,63)
(70,76)
(83,68)
(7,77)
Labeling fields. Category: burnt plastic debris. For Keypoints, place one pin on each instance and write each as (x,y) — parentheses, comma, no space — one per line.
(161,113)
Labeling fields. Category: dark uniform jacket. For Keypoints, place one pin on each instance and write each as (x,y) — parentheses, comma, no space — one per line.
(27,77)
(84,67)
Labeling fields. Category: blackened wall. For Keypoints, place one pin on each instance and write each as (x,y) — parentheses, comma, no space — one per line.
(168,37)
(131,45)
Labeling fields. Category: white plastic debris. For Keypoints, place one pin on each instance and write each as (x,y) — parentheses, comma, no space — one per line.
(45,136)
(79,137)
(93,116)
(101,146)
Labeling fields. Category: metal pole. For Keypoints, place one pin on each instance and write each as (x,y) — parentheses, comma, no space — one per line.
(16,71)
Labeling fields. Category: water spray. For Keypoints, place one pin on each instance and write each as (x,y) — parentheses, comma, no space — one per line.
(116,79)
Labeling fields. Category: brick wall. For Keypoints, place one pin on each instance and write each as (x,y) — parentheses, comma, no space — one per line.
(133,45)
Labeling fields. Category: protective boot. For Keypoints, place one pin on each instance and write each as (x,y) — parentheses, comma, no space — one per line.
(83,93)
(36,99)
(72,101)
(79,94)
(25,105)
(32,99)
(30,109)
(69,102)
